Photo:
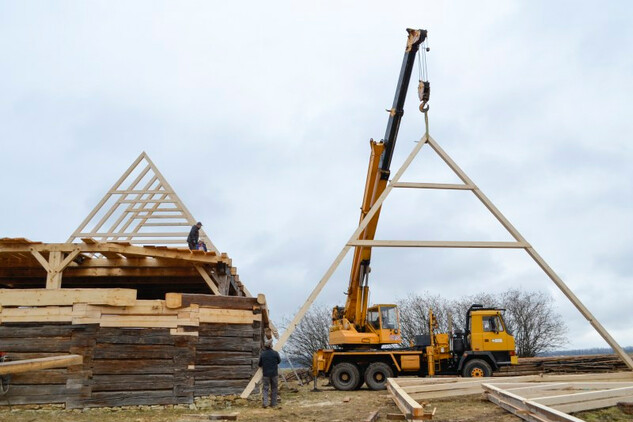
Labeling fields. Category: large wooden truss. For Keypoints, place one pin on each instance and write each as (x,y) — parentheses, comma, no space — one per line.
(467,184)
(140,208)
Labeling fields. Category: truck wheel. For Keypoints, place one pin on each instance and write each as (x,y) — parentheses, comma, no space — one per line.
(345,376)
(477,368)
(376,375)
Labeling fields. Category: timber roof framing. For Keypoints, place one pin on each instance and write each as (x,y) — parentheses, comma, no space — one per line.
(152,270)
(140,208)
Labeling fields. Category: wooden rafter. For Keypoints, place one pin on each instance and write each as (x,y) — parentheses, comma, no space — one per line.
(135,205)
(25,264)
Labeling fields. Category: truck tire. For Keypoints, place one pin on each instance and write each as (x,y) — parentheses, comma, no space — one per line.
(345,376)
(477,368)
(376,375)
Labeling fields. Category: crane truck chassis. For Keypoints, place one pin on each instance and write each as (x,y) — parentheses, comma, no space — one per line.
(482,348)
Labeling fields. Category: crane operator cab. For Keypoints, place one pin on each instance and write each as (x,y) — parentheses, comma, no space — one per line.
(381,326)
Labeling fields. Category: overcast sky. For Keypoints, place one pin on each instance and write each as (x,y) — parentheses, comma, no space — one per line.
(259,115)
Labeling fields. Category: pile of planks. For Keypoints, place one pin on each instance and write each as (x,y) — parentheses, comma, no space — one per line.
(564,365)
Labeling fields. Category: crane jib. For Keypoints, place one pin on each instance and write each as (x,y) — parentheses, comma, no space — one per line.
(416,37)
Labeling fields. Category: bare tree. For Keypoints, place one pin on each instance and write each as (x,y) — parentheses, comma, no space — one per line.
(311,334)
(536,326)
(530,316)
(414,315)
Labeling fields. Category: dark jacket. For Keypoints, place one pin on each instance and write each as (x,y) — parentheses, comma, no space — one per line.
(268,361)
(193,237)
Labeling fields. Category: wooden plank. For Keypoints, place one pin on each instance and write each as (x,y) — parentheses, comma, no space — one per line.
(230,344)
(222,302)
(230,316)
(413,185)
(133,366)
(47,297)
(229,330)
(133,351)
(406,404)
(225,358)
(140,321)
(40,314)
(48,376)
(526,407)
(17,367)
(436,244)
(220,372)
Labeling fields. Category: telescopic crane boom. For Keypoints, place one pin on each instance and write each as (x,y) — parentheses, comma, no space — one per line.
(349,324)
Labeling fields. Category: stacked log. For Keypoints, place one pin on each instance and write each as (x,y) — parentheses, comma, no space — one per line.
(206,345)
(564,365)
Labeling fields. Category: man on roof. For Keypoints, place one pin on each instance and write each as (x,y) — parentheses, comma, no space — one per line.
(194,236)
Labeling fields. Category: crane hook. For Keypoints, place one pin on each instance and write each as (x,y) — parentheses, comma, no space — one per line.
(424,93)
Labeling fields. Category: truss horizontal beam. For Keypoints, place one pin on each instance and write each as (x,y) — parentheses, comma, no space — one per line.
(437,244)
(124,234)
(411,185)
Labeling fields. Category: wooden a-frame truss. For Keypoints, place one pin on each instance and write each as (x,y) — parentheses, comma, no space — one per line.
(467,184)
(141,208)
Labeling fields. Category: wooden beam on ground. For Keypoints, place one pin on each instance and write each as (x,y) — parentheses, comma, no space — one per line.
(409,407)
(26,365)
(61,297)
(525,409)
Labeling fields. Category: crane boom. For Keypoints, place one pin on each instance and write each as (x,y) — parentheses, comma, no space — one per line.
(377,177)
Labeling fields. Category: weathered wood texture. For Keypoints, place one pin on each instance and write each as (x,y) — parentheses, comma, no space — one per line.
(130,366)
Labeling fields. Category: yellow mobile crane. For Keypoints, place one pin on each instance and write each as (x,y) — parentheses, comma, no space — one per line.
(358,332)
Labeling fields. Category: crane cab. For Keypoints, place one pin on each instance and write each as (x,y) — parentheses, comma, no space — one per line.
(384,320)
(381,326)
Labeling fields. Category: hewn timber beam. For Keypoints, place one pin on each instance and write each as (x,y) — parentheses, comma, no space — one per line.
(71,272)
(106,247)
(63,297)
(26,365)
(436,244)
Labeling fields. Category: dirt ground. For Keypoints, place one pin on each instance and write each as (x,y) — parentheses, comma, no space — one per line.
(298,403)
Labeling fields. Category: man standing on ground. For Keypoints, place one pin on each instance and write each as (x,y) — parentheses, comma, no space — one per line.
(194,235)
(268,361)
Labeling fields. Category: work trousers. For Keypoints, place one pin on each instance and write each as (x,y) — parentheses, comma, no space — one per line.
(270,384)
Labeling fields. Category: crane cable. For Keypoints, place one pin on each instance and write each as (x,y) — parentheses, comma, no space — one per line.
(424,87)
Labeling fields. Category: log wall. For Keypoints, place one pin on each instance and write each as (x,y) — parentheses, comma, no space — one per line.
(131,366)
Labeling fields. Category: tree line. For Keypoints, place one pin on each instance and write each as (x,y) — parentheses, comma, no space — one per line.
(529,315)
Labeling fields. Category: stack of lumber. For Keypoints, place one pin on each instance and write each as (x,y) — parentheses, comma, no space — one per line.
(565,364)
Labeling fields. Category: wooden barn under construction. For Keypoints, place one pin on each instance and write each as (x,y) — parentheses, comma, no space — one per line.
(127,319)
